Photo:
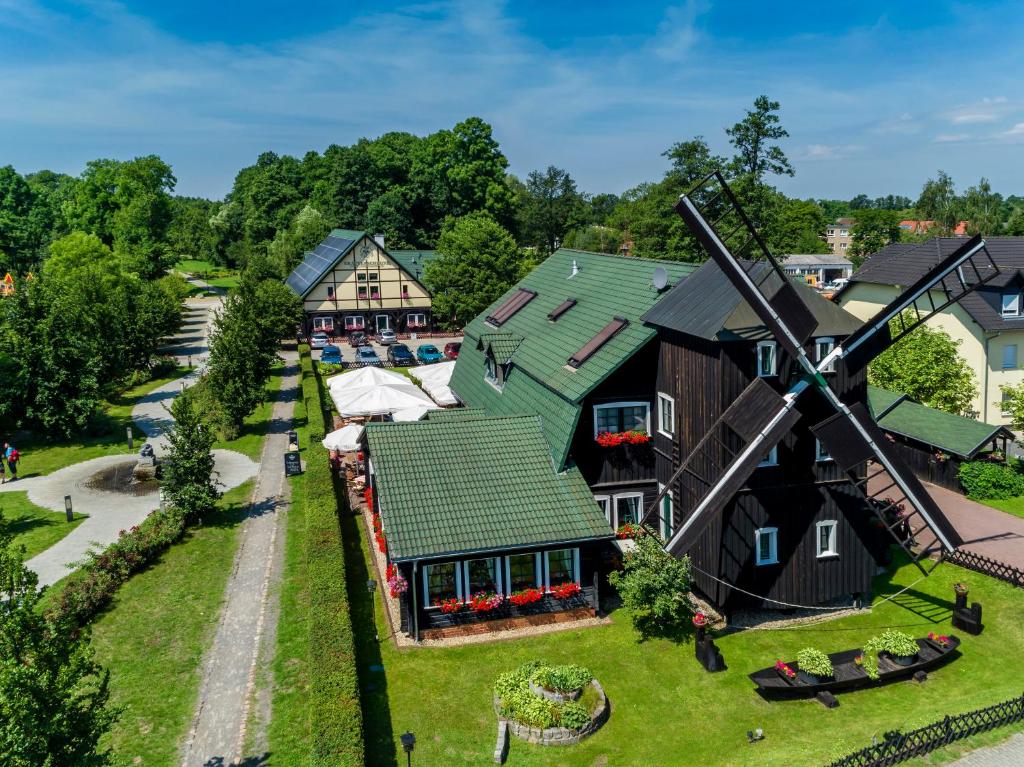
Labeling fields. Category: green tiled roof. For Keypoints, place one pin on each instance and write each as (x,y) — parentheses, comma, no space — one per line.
(947,432)
(501,345)
(413,261)
(455,414)
(462,485)
(540,380)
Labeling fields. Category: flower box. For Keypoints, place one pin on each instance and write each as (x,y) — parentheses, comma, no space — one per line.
(565,590)
(628,531)
(485,601)
(449,606)
(614,439)
(526,597)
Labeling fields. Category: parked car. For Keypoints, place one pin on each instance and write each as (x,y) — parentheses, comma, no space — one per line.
(385,337)
(365,355)
(319,340)
(357,338)
(399,354)
(451,350)
(331,355)
(427,353)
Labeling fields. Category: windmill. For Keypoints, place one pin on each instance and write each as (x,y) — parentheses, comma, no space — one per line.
(755,422)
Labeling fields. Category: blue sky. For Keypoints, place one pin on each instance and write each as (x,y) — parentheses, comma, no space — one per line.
(876,96)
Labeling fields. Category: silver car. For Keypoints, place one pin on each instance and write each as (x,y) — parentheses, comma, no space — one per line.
(319,340)
(386,337)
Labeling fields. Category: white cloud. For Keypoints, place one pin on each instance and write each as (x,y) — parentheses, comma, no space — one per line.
(986,110)
(828,152)
(1016,130)
(950,138)
(677,34)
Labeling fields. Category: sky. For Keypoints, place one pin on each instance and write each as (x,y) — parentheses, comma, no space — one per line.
(876,96)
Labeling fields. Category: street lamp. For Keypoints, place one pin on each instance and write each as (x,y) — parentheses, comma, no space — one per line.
(371,586)
(408,744)
(67,508)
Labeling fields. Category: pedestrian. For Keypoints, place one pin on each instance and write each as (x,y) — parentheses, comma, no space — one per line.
(13,456)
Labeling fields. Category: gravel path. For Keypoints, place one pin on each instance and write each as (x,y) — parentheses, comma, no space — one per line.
(246,627)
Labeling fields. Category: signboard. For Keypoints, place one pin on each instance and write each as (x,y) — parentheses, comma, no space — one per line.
(7,285)
(292,464)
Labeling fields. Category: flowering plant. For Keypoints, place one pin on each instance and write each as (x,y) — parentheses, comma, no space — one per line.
(628,530)
(449,606)
(614,439)
(526,597)
(565,590)
(397,584)
(859,660)
(941,639)
(485,601)
(782,668)
(700,620)
(378,534)
(368,497)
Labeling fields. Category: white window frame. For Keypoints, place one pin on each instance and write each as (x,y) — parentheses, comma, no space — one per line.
(1004,405)
(669,429)
(426,584)
(498,572)
(666,530)
(537,580)
(547,566)
(617,405)
(833,550)
(323,324)
(772,459)
(387,322)
(352,326)
(1013,365)
(615,507)
(820,456)
(775,358)
(829,343)
(773,553)
(843,245)
(1010,308)
(420,319)
(605,502)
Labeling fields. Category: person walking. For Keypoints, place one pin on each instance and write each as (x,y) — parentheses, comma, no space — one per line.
(12,456)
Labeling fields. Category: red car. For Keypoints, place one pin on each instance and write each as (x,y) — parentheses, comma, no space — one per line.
(451,351)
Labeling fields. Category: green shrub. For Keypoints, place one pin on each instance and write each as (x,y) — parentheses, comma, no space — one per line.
(561,678)
(328,368)
(891,641)
(814,662)
(519,703)
(988,480)
(574,716)
(336,719)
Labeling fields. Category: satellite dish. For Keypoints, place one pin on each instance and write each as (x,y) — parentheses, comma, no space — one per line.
(660,278)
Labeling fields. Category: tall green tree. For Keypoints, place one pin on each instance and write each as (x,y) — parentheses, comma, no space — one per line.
(983,209)
(549,208)
(872,231)
(477,261)
(798,227)
(938,202)
(188,475)
(54,698)
(654,587)
(758,156)
(25,223)
(926,365)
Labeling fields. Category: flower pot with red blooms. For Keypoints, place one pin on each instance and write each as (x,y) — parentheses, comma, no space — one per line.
(785,671)
(628,531)
(485,602)
(449,606)
(526,597)
(700,623)
(938,641)
(565,591)
(617,438)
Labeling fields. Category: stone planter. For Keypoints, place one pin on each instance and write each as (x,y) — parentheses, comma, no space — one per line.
(558,697)
(559,736)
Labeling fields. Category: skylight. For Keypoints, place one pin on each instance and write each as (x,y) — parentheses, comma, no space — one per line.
(603,336)
(561,309)
(507,310)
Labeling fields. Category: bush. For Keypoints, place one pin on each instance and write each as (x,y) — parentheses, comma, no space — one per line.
(814,662)
(891,641)
(561,678)
(984,479)
(328,368)
(521,704)
(336,720)
(654,585)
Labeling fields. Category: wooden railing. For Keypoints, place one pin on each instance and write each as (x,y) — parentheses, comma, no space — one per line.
(986,566)
(898,747)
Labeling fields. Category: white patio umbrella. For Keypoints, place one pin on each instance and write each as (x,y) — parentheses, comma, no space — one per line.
(438,373)
(411,413)
(380,400)
(365,377)
(345,439)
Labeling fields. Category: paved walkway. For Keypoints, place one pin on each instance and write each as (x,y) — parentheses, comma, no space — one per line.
(1009,753)
(108,512)
(218,735)
(985,530)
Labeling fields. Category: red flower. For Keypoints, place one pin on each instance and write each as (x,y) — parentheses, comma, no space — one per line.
(614,439)
(780,666)
(565,590)
(485,601)
(628,530)
(700,619)
(449,605)
(526,597)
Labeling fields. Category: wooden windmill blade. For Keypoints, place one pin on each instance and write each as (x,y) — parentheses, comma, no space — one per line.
(955,276)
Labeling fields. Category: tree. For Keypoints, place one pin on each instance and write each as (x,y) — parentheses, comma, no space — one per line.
(190,234)
(938,202)
(549,208)
(290,245)
(983,209)
(653,585)
(926,366)
(25,221)
(477,261)
(872,231)
(755,155)
(1015,223)
(54,697)
(595,238)
(798,227)
(188,476)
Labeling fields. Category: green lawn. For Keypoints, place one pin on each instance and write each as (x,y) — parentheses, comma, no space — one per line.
(1013,506)
(153,637)
(107,438)
(250,439)
(218,276)
(665,708)
(34,527)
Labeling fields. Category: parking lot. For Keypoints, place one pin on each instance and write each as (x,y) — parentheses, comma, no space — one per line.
(348,352)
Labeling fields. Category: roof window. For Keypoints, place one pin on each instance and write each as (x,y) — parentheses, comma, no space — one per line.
(561,309)
(513,304)
(603,336)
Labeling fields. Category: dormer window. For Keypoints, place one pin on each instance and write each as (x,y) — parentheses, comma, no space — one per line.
(766,359)
(1011,304)
(494,373)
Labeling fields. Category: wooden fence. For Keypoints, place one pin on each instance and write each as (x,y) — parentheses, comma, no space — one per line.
(990,567)
(899,747)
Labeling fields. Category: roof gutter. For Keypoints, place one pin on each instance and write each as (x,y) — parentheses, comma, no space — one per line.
(472,552)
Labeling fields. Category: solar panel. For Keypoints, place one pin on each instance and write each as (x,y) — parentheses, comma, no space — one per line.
(317,263)
(603,336)
(507,310)
(561,309)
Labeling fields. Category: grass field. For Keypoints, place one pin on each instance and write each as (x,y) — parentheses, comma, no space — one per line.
(665,709)
(218,276)
(33,527)
(1013,506)
(153,637)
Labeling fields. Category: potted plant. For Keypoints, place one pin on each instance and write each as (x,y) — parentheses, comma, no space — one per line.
(628,531)
(939,641)
(901,648)
(814,665)
(785,671)
(449,606)
(700,623)
(565,590)
(485,601)
(960,589)
(526,597)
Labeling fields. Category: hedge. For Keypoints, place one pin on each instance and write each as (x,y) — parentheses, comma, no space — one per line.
(987,480)
(336,719)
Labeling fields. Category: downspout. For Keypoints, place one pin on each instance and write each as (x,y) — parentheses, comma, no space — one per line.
(415,603)
(984,396)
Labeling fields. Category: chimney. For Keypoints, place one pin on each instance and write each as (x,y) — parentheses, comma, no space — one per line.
(575,269)
(379,239)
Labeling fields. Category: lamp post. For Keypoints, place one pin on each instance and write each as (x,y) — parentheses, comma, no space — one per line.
(408,744)
(68,511)
(371,586)
(131,437)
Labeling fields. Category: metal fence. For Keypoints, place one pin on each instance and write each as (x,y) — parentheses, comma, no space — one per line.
(991,567)
(899,747)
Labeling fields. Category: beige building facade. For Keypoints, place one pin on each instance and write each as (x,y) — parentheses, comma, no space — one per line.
(839,236)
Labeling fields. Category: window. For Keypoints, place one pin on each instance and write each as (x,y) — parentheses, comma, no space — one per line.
(494,374)
(416,320)
(361,291)
(1004,405)
(405,291)
(1011,304)
(842,245)
(766,362)
(323,323)
(628,509)
(842,232)
(820,453)
(1009,356)
(604,335)
(373,276)
(441,581)
(605,503)
(482,575)
(622,416)
(824,347)
(665,515)
(827,538)
(666,415)
(330,291)
(361,277)
(766,541)
(354,322)
(562,567)
(521,571)
(375,291)
(772,459)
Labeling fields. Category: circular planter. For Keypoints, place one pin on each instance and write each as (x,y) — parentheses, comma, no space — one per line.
(558,697)
(902,660)
(559,736)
